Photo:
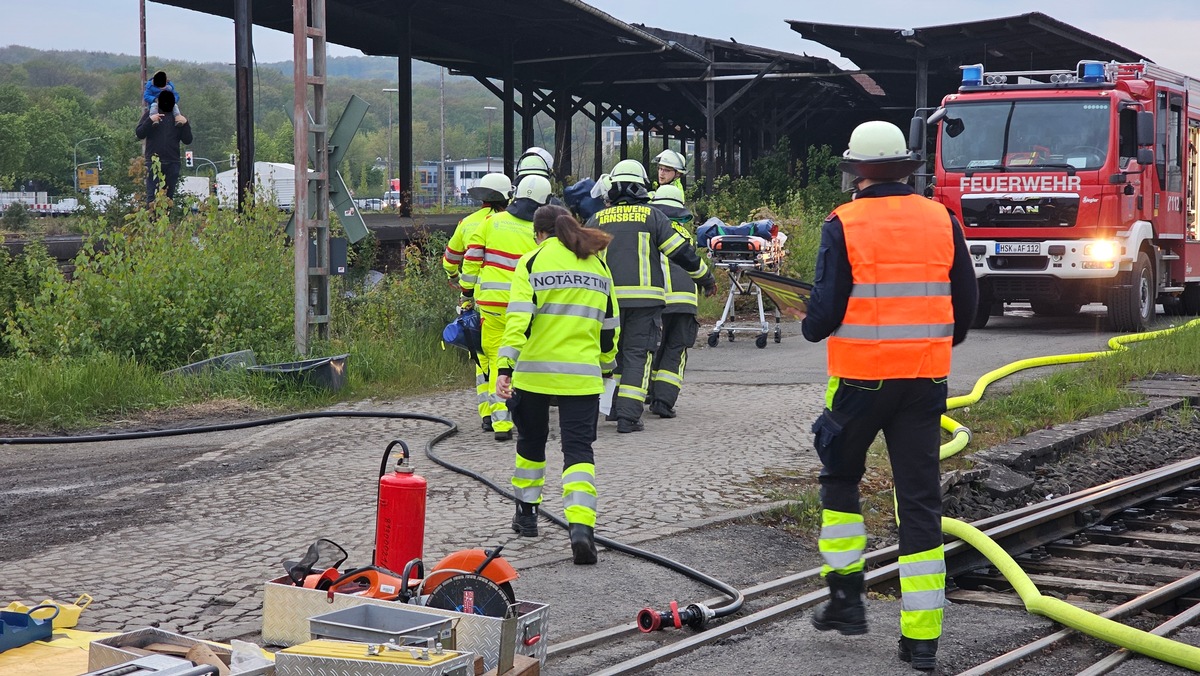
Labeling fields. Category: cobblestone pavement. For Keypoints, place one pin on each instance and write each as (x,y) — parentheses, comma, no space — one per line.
(199,542)
(197,564)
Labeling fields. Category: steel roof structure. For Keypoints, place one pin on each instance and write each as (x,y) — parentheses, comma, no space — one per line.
(925,61)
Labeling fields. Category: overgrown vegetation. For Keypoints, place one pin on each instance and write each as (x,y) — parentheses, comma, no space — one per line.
(165,289)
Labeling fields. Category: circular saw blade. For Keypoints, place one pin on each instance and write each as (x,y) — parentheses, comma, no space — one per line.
(472,594)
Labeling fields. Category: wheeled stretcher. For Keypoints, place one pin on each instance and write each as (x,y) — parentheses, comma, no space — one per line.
(738,254)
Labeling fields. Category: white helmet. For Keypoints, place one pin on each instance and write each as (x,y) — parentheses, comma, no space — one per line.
(535,161)
(534,187)
(671,160)
(629,171)
(877,150)
(669,195)
(494,187)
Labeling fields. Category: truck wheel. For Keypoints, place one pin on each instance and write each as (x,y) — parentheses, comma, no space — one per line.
(983,312)
(1190,299)
(1132,309)
(1055,308)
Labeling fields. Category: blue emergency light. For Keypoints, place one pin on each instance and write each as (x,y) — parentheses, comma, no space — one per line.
(972,76)
(1093,71)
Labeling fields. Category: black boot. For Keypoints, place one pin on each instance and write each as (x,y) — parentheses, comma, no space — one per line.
(487,423)
(506,435)
(524,522)
(921,653)
(626,426)
(661,410)
(583,544)
(845,611)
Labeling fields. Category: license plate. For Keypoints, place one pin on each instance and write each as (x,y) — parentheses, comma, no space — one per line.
(1027,248)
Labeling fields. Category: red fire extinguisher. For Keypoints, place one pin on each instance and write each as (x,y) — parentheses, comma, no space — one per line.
(400,519)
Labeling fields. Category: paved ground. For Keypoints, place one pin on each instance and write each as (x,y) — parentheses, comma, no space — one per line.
(204,520)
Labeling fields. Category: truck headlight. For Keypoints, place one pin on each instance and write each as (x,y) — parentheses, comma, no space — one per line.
(1101,251)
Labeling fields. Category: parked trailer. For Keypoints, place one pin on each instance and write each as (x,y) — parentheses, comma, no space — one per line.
(1076,187)
(277,179)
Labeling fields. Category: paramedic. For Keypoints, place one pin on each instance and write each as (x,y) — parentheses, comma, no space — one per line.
(641,236)
(894,290)
(671,168)
(679,324)
(488,264)
(494,191)
(560,342)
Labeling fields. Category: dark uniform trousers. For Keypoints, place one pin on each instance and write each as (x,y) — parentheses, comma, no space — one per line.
(576,423)
(678,334)
(641,328)
(170,172)
(908,411)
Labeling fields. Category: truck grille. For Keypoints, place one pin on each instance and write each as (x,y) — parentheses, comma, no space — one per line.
(1018,262)
(1026,288)
(1019,211)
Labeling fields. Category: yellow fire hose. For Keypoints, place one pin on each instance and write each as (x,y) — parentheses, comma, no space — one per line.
(1136,640)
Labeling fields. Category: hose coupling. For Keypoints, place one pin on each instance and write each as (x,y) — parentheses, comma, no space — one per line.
(961,429)
(695,615)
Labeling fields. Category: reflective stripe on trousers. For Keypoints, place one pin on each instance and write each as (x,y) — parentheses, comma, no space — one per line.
(843,540)
(491,337)
(528,478)
(579,494)
(923,593)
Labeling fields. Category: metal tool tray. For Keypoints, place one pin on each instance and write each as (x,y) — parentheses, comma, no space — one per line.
(381,624)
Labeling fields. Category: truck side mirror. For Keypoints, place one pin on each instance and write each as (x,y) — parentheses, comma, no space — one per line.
(1145,156)
(1145,129)
(916,134)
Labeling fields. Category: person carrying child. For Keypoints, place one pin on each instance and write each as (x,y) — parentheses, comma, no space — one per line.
(155,86)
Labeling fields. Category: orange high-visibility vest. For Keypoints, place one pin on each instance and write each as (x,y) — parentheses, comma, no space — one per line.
(899,321)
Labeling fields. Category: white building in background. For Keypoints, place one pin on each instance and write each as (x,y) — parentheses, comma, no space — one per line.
(460,176)
(611,139)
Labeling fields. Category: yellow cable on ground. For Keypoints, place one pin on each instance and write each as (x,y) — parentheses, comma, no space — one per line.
(1158,647)
(960,435)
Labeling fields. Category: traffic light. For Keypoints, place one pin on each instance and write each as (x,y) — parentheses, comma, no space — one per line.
(187,158)
(99,163)
(232,160)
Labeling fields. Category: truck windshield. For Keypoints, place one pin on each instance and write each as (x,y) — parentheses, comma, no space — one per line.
(1025,135)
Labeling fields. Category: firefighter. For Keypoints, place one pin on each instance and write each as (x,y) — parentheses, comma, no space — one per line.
(679,325)
(494,191)
(535,161)
(559,343)
(672,166)
(894,291)
(492,253)
(641,236)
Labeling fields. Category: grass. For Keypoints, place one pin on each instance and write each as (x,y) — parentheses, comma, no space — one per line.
(73,394)
(1069,394)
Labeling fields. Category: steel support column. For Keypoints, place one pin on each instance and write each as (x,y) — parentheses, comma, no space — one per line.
(598,142)
(624,120)
(645,139)
(404,109)
(243,48)
(562,135)
(710,135)
(527,105)
(509,116)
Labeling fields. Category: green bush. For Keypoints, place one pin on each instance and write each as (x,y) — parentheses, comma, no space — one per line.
(16,285)
(16,217)
(164,293)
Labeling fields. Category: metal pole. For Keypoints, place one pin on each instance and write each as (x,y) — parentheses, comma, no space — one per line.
(243,27)
(490,110)
(508,121)
(300,237)
(142,19)
(404,110)
(388,178)
(442,154)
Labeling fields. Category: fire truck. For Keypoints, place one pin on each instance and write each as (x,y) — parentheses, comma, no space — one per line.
(1075,187)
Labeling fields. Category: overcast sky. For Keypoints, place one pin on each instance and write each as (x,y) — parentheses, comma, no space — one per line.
(1164,30)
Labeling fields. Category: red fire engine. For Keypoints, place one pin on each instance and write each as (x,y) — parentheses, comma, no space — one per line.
(1076,187)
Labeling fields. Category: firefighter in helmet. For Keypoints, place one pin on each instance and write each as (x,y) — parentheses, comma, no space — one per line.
(679,324)
(895,289)
(535,161)
(641,236)
(494,191)
(492,253)
(672,166)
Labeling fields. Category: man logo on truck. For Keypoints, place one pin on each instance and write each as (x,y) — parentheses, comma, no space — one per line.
(1019,209)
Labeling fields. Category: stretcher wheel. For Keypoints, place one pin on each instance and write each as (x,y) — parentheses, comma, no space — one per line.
(713,339)
(778,335)
(731,335)
(761,341)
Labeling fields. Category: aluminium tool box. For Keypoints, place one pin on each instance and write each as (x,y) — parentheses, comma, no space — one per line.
(111,651)
(287,609)
(354,659)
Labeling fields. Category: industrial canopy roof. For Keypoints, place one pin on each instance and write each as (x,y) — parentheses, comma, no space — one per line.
(1031,41)
(552,45)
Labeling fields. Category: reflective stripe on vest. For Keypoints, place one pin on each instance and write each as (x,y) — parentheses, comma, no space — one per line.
(558,367)
(899,320)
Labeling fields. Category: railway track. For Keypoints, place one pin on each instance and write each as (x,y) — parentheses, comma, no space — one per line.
(1122,548)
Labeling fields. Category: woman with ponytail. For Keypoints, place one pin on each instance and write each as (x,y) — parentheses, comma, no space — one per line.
(560,343)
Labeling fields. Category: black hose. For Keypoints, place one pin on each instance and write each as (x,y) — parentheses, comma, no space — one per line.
(736,598)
